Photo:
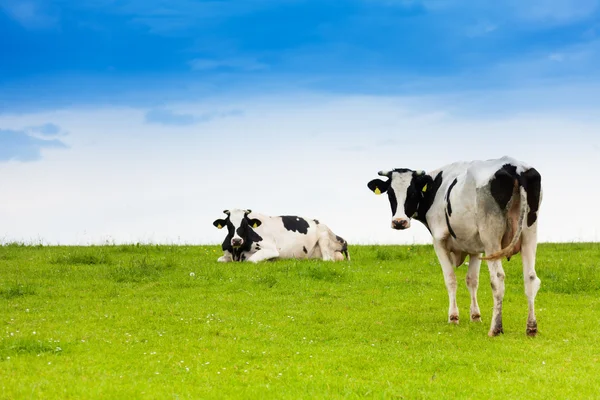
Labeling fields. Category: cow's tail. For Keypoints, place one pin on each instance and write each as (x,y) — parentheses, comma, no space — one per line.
(508,250)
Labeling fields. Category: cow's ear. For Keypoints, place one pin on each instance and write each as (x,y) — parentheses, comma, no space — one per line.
(378,186)
(422,181)
(220,223)
(255,223)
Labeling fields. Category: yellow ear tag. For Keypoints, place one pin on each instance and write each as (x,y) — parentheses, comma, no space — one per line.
(377,191)
(255,225)
(219,226)
(425,188)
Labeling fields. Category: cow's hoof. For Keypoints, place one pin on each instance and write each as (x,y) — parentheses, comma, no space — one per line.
(453,319)
(475,318)
(532,330)
(495,332)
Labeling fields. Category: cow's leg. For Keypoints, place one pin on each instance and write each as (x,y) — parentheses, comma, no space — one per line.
(263,254)
(497,283)
(472,280)
(532,282)
(449,278)
(324,242)
(226,257)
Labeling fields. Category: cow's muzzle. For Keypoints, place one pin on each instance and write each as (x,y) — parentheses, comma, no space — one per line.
(400,223)
(237,242)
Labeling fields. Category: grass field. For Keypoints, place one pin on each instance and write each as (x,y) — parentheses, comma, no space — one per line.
(169,322)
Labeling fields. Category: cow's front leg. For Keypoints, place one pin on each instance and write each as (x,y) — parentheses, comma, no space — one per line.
(497,283)
(449,278)
(472,280)
(263,254)
(226,257)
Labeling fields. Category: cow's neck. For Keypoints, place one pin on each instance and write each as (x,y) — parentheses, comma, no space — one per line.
(428,197)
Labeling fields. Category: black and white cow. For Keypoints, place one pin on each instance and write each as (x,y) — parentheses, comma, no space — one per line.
(472,208)
(257,237)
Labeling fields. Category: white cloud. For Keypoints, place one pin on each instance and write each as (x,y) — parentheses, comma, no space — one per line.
(29,13)
(554,10)
(125,180)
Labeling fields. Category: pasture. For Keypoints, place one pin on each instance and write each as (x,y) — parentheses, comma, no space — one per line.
(169,322)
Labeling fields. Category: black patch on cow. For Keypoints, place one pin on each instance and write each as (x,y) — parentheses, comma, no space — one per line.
(378,184)
(393,200)
(448,205)
(316,221)
(304,250)
(532,183)
(295,224)
(433,186)
(449,227)
(244,231)
(243,257)
(502,185)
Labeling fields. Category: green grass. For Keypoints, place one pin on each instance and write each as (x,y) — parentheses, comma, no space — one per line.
(116,322)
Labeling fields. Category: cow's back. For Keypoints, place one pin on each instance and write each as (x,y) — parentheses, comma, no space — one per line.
(291,236)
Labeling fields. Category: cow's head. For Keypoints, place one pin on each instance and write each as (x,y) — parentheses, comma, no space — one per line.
(405,189)
(239,226)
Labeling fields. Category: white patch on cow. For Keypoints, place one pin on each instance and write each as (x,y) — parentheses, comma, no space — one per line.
(400,183)
(236,217)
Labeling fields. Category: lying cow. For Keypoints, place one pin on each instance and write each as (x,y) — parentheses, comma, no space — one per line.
(256,237)
(470,208)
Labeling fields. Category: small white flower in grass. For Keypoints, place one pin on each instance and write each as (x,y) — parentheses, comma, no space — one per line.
(49,362)
(58,349)
(187,369)
(192,274)
(8,358)
(157,373)
(208,362)
(27,310)
(543,362)
(219,372)
(34,332)
(280,374)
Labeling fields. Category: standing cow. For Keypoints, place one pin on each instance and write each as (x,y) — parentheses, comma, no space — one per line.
(471,208)
(256,237)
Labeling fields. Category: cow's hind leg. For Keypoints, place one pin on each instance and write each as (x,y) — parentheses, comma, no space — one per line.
(532,282)
(472,280)
(324,243)
(497,283)
(449,278)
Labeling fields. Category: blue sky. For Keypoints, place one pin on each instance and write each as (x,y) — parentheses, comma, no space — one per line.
(106,88)
(57,52)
